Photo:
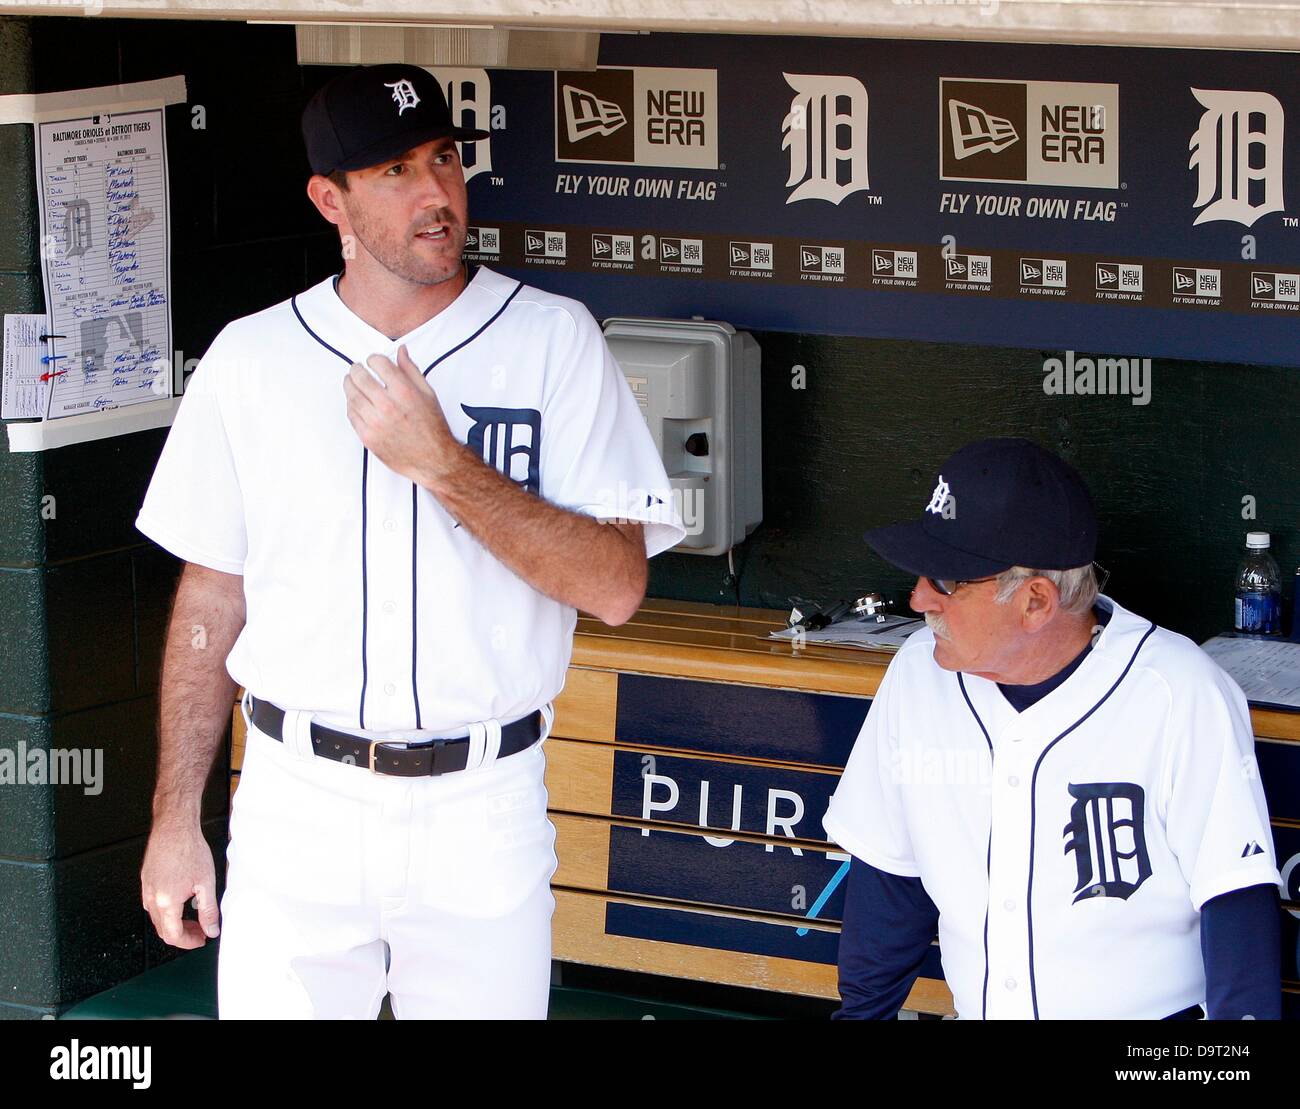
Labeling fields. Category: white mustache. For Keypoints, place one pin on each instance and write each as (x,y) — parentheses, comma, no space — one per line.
(937,624)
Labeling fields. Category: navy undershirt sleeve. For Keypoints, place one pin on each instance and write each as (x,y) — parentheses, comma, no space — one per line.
(1241,944)
(889,924)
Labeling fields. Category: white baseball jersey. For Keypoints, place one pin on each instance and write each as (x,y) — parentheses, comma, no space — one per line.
(366,602)
(1070,847)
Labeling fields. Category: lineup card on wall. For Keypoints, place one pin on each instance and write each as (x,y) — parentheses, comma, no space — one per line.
(105,235)
(1108,200)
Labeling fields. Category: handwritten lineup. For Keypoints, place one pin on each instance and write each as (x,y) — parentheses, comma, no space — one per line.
(106,240)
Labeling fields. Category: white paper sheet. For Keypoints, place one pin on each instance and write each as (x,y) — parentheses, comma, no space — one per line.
(863,634)
(1268,670)
(105,235)
(22,392)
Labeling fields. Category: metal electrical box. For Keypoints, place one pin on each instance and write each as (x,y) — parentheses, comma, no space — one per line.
(697,383)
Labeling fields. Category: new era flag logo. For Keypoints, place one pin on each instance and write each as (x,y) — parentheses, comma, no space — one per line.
(974,129)
(586,114)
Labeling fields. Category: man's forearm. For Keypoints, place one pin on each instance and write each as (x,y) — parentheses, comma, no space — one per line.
(570,557)
(196,693)
(889,925)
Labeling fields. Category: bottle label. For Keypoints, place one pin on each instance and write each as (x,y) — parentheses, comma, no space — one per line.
(1259,613)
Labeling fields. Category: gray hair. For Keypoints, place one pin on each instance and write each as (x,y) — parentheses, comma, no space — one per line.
(1077,588)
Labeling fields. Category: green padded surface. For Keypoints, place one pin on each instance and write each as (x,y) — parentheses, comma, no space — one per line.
(186,988)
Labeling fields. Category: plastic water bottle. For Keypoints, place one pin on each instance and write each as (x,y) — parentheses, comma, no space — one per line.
(1259,589)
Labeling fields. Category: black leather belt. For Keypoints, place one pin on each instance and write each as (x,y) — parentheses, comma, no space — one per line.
(427,757)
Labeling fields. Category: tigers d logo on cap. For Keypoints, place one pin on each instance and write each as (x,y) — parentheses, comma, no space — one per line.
(372,113)
(403,94)
(942,502)
(1021,505)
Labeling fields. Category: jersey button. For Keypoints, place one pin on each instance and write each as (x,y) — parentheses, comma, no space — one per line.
(389,607)
(1013,781)
(1010,983)
(1009,905)
(390,689)
(390,525)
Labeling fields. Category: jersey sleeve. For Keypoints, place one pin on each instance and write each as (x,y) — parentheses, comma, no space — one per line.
(866,815)
(598,457)
(194,507)
(1216,817)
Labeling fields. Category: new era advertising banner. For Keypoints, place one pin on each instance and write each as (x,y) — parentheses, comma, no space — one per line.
(1137,202)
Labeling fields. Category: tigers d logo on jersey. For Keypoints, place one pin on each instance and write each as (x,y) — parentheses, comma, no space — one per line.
(509,439)
(1107,834)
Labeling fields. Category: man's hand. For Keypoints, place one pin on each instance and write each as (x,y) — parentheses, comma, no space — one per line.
(398,417)
(565,555)
(178,866)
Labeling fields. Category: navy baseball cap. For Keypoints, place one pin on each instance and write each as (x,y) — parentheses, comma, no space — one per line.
(997,503)
(372,113)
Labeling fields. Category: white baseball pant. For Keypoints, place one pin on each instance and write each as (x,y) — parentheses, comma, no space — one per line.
(343,885)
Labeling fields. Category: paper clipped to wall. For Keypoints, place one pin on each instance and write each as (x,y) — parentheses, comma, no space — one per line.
(105,252)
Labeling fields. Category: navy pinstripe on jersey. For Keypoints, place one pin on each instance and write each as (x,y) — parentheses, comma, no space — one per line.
(415,514)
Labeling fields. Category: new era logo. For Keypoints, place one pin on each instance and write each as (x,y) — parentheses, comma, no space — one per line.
(587,114)
(974,129)
(1119,276)
(882,261)
(546,244)
(1275,286)
(689,252)
(821,259)
(483,240)
(977,269)
(1048,273)
(751,256)
(607,248)
(1192,282)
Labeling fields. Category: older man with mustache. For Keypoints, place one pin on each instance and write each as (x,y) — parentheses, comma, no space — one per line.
(1064,790)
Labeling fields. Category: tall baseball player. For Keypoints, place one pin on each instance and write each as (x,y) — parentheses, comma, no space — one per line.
(391,492)
(1064,789)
